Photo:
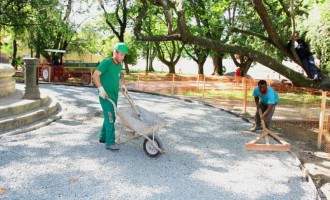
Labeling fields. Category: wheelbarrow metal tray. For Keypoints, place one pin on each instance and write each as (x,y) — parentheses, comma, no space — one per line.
(148,122)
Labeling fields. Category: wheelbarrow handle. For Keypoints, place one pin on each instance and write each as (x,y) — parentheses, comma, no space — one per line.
(130,100)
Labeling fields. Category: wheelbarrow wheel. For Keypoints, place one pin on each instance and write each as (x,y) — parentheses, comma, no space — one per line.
(149,146)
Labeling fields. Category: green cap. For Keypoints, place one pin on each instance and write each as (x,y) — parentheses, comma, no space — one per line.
(122,47)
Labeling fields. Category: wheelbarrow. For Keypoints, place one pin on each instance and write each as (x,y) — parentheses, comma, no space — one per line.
(143,123)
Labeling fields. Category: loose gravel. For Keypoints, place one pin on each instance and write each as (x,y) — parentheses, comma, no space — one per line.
(204,159)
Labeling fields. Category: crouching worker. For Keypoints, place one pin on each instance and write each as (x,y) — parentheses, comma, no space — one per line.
(108,78)
(269,99)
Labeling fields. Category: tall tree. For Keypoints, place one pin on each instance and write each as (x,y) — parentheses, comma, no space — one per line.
(272,35)
(198,14)
(117,20)
(171,50)
(41,24)
(151,55)
(59,32)
(15,17)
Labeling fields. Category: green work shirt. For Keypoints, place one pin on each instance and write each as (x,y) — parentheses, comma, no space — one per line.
(110,75)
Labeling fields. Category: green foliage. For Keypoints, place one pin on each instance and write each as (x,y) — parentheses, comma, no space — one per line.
(41,25)
(248,20)
(19,61)
(316,27)
(133,53)
(89,39)
(38,24)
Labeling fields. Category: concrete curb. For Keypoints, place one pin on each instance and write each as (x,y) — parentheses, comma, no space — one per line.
(36,125)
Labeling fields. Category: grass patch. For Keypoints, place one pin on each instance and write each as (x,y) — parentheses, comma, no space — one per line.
(297,99)
(285,98)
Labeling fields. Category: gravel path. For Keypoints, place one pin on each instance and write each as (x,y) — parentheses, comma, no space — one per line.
(204,159)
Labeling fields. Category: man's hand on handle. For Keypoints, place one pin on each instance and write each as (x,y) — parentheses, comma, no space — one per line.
(102,92)
(123,88)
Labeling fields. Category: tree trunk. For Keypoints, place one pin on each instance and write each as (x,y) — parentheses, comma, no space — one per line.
(200,68)
(172,51)
(171,69)
(126,67)
(150,57)
(147,60)
(151,66)
(13,61)
(218,67)
(243,62)
(31,52)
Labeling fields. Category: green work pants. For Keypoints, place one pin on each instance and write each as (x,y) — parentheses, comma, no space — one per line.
(108,129)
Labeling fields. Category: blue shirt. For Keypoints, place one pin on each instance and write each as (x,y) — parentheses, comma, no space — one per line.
(271,97)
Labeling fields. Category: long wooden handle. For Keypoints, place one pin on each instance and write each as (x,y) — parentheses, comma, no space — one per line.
(262,121)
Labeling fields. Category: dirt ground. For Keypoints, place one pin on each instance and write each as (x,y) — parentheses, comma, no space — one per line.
(303,142)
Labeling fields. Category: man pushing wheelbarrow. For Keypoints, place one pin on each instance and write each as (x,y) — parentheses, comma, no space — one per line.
(107,78)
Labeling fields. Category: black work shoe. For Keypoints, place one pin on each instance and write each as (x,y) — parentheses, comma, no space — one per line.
(112,147)
(102,141)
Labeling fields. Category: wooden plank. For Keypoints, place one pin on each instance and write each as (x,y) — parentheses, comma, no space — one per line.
(322,114)
(268,147)
(283,146)
(267,139)
(258,138)
(278,138)
(262,121)
(245,94)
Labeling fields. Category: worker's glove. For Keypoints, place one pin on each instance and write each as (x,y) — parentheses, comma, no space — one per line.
(123,88)
(102,92)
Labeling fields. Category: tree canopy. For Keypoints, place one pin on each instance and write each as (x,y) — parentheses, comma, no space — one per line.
(256,30)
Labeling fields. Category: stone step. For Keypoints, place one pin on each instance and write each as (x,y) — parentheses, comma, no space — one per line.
(44,111)
(16,105)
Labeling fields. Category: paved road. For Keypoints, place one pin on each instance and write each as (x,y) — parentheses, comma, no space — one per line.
(204,159)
